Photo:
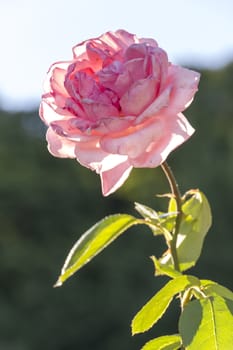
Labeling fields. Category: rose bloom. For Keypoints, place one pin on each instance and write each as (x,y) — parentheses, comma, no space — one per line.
(117,105)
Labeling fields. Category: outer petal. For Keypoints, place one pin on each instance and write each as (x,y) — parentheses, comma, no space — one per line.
(71,128)
(59,146)
(184,83)
(113,179)
(111,42)
(114,169)
(176,131)
(57,81)
(49,115)
(119,40)
(148,41)
(56,74)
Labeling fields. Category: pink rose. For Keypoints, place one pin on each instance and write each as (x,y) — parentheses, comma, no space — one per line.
(117,105)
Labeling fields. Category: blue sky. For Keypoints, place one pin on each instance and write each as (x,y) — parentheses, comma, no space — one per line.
(36,33)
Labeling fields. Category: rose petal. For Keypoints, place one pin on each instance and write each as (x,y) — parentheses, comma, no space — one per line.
(115,124)
(98,111)
(57,81)
(95,54)
(60,146)
(158,61)
(71,128)
(134,142)
(109,42)
(49,115)
(53,74)
(79,84)
(91,155)
(176,131)
(184,84)
(114,178)
(135,51)
(136,69)
(156,106)
(78,129)
(114,169)
(138,97)
(148,41)
(122,83)
(118,40)
(75,108)
(108,75)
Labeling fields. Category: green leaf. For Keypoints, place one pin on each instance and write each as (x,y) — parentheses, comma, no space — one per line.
(167,221)
(153,310)
(146,212)
(93,241)
(213,288)
(159,223)
(161,269)
(207,324)
(166,342)
(195,224)
(172,205)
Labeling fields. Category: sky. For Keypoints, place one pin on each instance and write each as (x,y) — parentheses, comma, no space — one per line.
(36,33)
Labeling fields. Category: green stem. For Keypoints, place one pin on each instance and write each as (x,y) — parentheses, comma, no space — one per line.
(176,193)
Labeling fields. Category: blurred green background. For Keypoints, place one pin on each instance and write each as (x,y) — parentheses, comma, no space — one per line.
(46,203)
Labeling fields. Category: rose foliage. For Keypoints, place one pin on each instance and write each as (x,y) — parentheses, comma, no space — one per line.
(117,104)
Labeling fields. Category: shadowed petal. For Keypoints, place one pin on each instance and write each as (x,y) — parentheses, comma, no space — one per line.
(156,107)
(138,97)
